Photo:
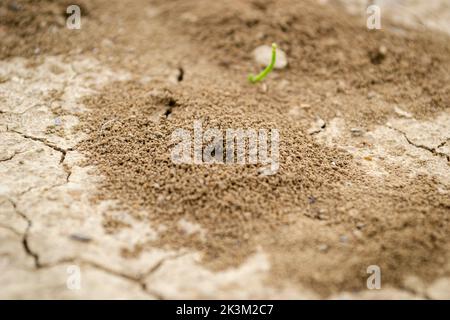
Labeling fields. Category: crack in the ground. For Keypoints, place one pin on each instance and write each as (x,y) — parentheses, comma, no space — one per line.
(23,112)
(11,157)
(432,150)
(139,279)
(440,146)
(69,173)
(46,188)
(443,143)
(47,143)
(25,242)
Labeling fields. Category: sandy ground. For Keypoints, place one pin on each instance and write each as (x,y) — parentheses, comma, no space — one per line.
(53,94)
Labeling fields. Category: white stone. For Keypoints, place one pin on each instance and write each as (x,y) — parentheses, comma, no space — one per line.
(263,56)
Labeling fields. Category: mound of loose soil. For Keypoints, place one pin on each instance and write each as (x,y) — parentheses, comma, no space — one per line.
(317,212)
(234,203)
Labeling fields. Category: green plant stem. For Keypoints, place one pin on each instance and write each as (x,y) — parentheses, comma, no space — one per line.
(268,69)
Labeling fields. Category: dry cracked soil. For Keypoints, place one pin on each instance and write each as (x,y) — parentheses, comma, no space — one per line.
(92,207)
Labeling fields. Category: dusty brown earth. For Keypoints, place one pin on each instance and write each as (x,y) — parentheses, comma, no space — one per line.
(87,181)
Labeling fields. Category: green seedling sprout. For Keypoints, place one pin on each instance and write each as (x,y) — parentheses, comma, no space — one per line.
(267,70)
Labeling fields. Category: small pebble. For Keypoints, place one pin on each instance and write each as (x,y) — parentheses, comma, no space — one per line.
(14,6)
(371,95)
(377,56)
(402,113)
(358,234)
(317,126)
(360,225)
(80,237)
(343,239)
(356,132)
(311,199)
